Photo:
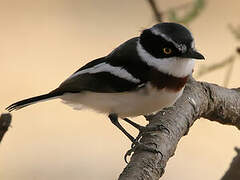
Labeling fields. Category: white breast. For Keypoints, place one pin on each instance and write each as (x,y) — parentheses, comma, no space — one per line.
(127,104)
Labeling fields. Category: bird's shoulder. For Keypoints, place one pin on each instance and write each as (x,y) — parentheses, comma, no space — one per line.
(119,71)
(127,57)
(121,56)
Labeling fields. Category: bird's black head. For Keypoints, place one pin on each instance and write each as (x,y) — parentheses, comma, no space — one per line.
(169,40)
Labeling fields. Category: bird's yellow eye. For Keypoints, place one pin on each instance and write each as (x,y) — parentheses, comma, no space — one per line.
(167,50)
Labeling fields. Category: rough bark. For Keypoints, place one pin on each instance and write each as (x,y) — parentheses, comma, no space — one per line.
(200,99)
(5,121)
(233,173)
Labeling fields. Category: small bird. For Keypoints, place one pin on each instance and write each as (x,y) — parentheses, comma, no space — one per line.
(141,76)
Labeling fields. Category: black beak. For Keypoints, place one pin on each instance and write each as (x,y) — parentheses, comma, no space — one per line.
(191,53)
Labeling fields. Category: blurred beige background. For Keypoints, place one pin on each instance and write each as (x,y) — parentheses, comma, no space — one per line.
(43,42)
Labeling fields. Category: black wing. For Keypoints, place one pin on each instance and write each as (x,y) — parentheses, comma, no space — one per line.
(124,58)
(98,82)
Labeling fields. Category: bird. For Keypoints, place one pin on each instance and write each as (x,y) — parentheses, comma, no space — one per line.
(141,76)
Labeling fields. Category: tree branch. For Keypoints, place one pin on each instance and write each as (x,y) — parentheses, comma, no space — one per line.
(156,12)
(207,69)
(233,172)
(5,121)
(200,99)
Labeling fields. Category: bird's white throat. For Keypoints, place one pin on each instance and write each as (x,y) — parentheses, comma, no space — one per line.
(175,66)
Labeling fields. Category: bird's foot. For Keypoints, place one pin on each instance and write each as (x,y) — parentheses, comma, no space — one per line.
(149,129)
(136,144)
(143,129)
(140,146)
(145,147)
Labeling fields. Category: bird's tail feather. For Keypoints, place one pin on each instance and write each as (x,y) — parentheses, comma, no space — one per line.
(26,102)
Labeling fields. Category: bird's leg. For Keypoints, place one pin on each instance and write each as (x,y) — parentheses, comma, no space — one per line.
(114,119)
(139,127)
(135,144)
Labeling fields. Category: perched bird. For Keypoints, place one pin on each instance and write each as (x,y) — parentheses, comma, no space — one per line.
(141,76)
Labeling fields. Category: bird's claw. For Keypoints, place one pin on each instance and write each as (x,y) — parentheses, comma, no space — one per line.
(137,145)
(158,127)
(149,129)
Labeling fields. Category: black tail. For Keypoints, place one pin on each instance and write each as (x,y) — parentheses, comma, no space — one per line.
(26,102)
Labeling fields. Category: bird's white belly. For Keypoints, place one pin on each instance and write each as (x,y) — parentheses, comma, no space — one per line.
(127,104)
